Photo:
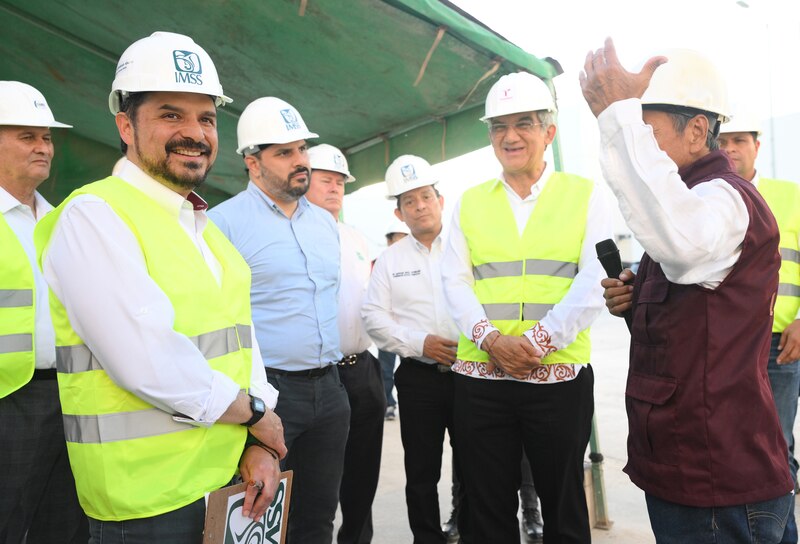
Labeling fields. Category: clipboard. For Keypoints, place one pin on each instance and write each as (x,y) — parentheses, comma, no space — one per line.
(225,523)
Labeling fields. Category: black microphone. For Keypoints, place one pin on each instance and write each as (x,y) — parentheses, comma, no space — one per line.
(608,255)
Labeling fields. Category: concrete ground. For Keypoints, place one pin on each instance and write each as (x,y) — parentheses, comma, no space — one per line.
(625,502)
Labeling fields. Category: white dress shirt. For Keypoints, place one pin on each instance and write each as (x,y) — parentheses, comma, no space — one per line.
(353,338)
(21,219)
(405,300)
(694,234)
(575,312)
(95,266)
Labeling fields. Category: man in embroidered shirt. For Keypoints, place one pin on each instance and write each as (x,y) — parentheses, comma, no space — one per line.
(520,274)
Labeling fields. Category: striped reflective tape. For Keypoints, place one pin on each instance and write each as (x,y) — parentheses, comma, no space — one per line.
(790,255)
(14,343)
(541,267)
(788,290)
(120,426)
(16,298)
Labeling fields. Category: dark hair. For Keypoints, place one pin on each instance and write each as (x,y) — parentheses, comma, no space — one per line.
(130,106)
(435,190)
(680,117)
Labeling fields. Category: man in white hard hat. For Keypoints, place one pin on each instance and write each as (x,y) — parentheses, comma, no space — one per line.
(359,370)
(38,502)
(739,139)
(521,277)
(292,248)
(396,231)
(159,373)
(405,313)
(704,439)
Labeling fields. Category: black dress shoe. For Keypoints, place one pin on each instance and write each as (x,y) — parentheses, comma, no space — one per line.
(532,525)
(450,527)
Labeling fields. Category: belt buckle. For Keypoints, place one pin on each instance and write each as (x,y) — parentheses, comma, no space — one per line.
(442,368)
(349,360)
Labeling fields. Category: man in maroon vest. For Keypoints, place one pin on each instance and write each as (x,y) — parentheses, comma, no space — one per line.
(704,440)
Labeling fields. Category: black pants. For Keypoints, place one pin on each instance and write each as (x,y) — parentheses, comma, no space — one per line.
(181,526)
(426,396)
(38,492)
(316,417)
(494,420)
(362,458)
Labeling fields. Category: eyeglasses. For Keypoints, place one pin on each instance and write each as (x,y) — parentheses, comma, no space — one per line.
(500,129)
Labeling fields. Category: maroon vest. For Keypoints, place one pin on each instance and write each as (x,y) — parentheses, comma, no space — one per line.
(703,430)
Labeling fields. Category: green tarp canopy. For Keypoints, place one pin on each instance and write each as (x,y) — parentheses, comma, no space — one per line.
(376,78)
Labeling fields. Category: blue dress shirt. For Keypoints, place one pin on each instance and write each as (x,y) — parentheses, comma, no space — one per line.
(295,267)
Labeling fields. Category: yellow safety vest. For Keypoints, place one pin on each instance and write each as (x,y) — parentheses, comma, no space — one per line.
(17,315)
(131,459)
(783,198)
(518,279)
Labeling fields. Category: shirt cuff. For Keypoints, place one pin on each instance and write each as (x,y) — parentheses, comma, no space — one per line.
(417,343)
(540,338)
(619,114)
(223,392)
(481,330)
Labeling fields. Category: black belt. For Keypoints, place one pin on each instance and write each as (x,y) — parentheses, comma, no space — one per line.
(350,360)
(313,373)
(439,367)
(44,374)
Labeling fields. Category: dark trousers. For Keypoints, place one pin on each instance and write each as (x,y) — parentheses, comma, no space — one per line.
(316,417)
(37,491)
(387,360)
(181,526)
(527,491)
(494,421)
(362,457)
(427,398)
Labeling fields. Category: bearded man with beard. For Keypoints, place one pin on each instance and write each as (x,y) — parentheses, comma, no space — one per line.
(292,247)
(159,373)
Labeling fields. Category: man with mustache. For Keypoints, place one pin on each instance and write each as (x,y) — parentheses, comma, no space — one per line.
(160,376)
(292,247)
(38,503)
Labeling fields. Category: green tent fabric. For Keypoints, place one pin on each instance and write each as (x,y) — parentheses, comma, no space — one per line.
(377,78)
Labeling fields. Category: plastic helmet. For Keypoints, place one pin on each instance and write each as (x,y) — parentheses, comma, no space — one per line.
(24,106)
(327,157)
(397,226)
(518,93)
(742,121)
(406,173)
(689,80)
(270,120)
(165,61)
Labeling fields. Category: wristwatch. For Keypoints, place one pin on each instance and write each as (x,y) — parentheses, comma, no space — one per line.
(259,409)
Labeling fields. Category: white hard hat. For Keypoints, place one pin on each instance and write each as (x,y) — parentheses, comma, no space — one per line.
(397,226)
(518,93)
(688,80)
(270,120)
(408,172)
(742,121)
(327,157)
(24,106)
(165,61)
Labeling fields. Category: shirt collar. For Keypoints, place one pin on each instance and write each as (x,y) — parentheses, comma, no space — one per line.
(165,197)
(302,203)
(536,188)
(756,179)
(438,242)
(9,202)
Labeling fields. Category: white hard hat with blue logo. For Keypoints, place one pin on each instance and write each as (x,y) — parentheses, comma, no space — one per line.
(23,105)
(165,61)
(406,173)
(269,120)
(328,157)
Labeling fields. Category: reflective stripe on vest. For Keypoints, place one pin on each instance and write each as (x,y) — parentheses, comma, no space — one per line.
(14,343)
(542,267)
(783,198)
(120,426)
(15,298)
(78,358)
(519,277)
(17,313)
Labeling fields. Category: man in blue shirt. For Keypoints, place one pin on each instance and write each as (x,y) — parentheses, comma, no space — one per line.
(292,248)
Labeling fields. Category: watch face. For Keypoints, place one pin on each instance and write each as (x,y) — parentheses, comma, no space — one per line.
(258,405)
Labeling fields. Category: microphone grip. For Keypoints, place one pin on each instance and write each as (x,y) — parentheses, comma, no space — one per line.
(608,255)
